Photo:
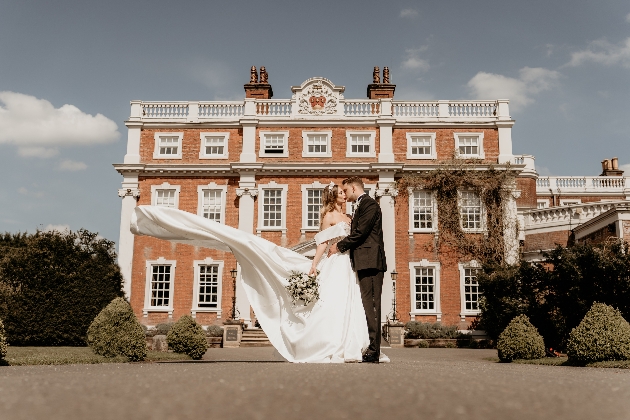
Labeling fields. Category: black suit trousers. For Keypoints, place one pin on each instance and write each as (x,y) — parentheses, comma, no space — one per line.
(371,285)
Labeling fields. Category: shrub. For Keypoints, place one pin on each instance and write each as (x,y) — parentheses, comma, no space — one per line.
(429,330)
(3,342)
(214,331)
(186,336)
(164,328)
(116,332)
(603,335)
(520,340)
(53,284)
(423,344)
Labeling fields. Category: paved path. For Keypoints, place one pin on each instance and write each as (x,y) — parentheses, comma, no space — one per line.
(248,384)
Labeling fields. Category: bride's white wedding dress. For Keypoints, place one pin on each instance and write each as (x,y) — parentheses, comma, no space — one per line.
(330,330)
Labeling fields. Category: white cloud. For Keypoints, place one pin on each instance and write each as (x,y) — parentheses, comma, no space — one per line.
(413,60)
(409,13)
(71,165)
(57,228)
(603,52)
(531,81)
(37,128)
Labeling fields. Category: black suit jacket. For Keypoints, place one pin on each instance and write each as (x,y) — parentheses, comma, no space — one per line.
(365,241)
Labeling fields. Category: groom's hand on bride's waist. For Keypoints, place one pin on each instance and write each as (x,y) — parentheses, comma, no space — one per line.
(333,250)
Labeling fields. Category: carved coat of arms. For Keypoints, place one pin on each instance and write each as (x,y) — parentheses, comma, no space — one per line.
(317,98)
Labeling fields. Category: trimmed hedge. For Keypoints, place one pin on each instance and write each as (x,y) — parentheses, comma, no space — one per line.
(3,342)
(116,332)
(53,284)
(603,335)
(428,330)
(186,336)
(214,331)
(520,340)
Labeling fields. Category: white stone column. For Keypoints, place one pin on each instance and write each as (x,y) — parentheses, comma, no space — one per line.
(130,194)
(387,193)
(386,147)
(249,123)
(134,126)
(511,227)
(504,124)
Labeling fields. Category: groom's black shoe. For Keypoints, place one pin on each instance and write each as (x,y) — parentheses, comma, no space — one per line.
(370,358)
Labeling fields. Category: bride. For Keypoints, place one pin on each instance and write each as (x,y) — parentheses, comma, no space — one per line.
(332,329)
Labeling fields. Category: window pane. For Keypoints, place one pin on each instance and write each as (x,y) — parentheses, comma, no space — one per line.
(165,198)
(169,145)
(422,210)
(272,208)
(468,145)
(208,286)
(212,205)
(425,288)
(317,143)
(421,146)
(160,285)
(274,143)
(215,145)
(360,143)
(313,206)
(471,289)
(470,210)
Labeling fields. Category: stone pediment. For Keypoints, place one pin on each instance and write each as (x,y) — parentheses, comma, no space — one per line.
(318,96)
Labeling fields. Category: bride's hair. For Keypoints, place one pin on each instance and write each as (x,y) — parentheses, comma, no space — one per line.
(329,199)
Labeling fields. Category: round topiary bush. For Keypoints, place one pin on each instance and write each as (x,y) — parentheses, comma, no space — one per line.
(214,331)
(186,336)
(602,335)
(3,342)
(116,332)
(520,340)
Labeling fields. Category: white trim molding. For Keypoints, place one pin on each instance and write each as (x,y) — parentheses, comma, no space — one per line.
(425,264)
(480,150)
(217,135)
(426,136)
(262,136)
(197,267)
(462,289)
(147,293)
(433,228)
(157,150)
(305,136)
(161,187)
(213,186)
(305,189)
(372,143)
(283,208)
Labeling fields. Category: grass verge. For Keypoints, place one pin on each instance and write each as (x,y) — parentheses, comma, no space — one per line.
(21,356)
(563,361)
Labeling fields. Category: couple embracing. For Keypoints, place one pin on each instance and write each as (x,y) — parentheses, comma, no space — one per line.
(344,324)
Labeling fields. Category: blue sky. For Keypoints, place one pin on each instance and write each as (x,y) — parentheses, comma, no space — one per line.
(68,70)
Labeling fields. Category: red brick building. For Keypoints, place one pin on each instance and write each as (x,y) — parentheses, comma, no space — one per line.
(260,164)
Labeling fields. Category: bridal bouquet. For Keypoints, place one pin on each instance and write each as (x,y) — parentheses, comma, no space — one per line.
(303,287)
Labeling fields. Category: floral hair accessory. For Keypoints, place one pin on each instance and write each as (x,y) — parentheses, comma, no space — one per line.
(331,185)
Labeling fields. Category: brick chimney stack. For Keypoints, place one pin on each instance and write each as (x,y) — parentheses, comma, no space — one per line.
(378,90)
(258,89)
(610,167)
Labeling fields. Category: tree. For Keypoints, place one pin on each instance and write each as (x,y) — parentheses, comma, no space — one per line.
(53,284)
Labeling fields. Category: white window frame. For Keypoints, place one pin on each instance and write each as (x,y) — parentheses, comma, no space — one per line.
(202,150)
(544,202)
(305,188)
(261,198)
(462,277)
(164,186)
(306,153)
(147,292)
(156,150)
(372,135)
(413,229)
(197,267)
(371,192)
(570,201)
(212,186)
(261,139)
(410,155)
(437,310)
(482,213)
(480,155)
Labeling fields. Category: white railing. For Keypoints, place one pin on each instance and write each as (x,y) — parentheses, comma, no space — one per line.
(577,184)
(361,108)
(164,110)
(570,215)
(472,109)
(221,109)
(415,109)
(280,108)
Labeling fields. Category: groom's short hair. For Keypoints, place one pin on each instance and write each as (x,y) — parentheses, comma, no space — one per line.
(353,180)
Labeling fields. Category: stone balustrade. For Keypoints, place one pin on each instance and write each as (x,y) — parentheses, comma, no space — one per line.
(420,111)
(569,216)
(581,184)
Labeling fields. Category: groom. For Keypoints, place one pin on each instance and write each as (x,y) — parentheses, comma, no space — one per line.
(367,253)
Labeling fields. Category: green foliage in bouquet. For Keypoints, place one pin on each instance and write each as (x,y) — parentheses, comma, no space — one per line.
(303,287)
(520,340)
(116,332)
(186,336)
(603,335)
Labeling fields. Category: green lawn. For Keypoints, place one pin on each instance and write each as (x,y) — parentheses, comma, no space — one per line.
(19,356)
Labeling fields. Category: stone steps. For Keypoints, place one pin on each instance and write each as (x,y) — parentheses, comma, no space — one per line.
(254,337)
